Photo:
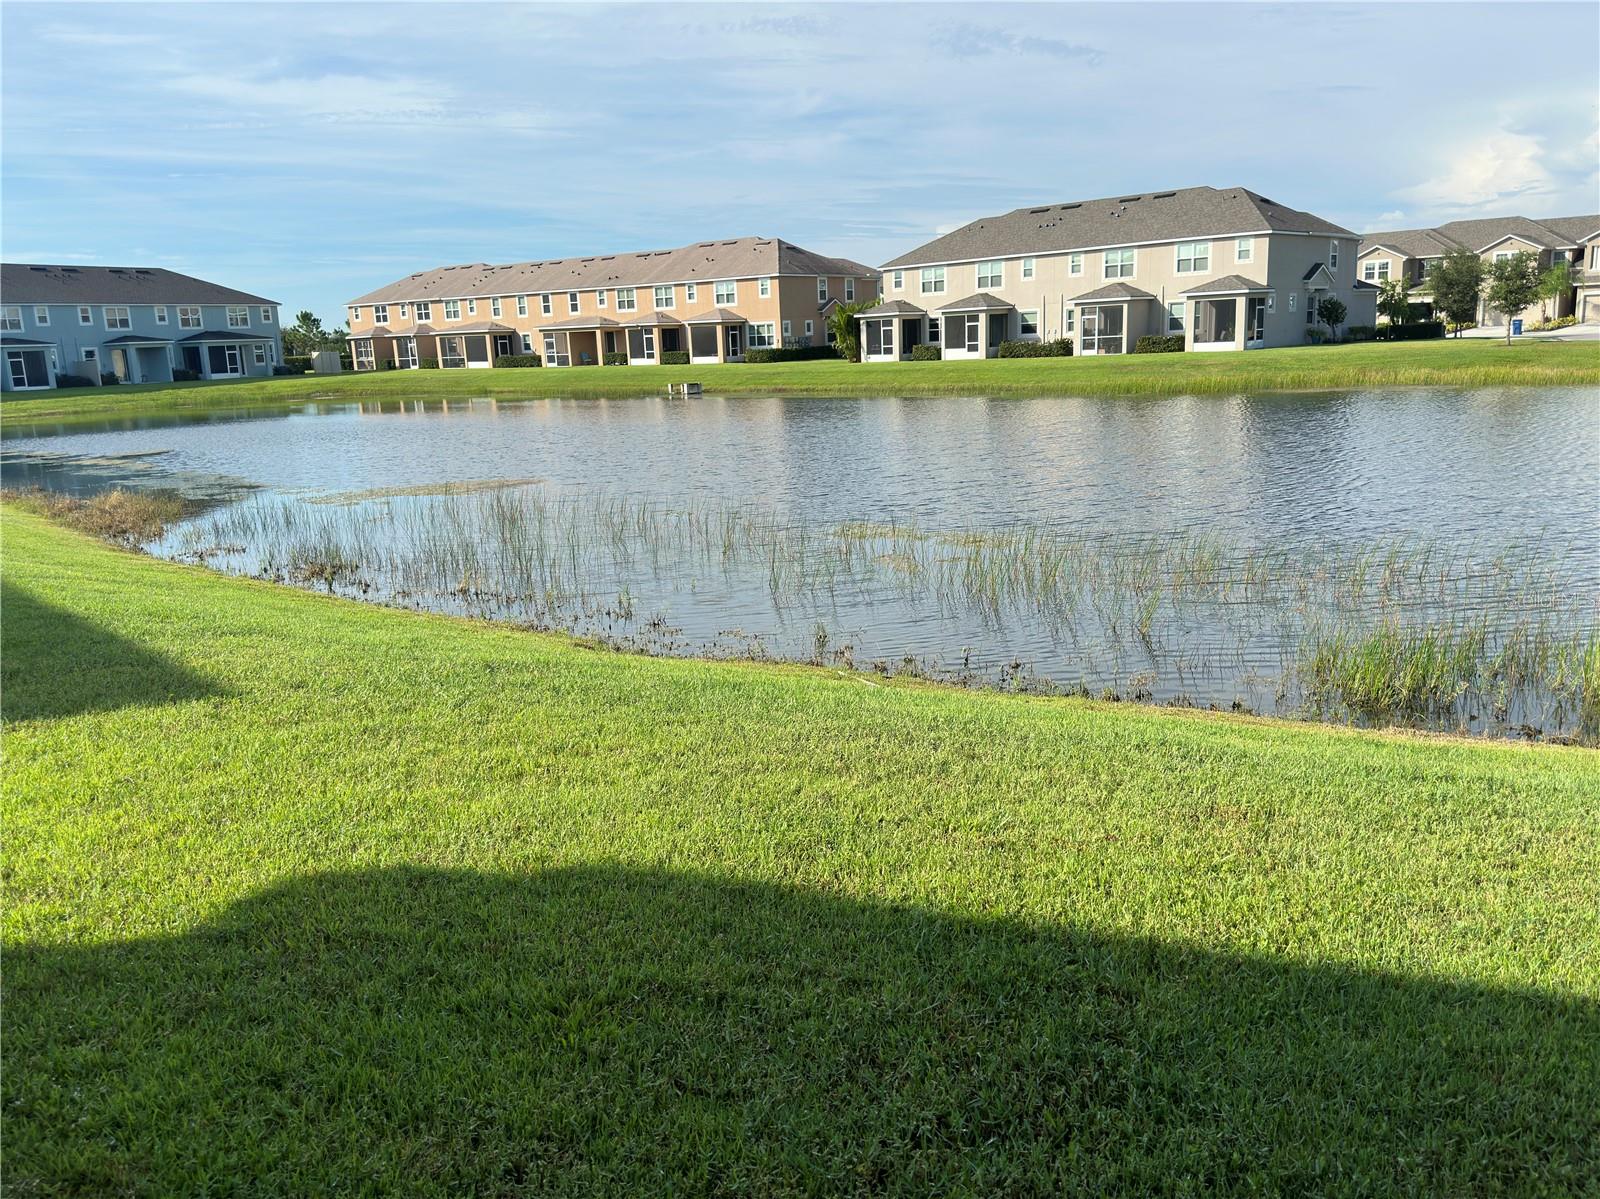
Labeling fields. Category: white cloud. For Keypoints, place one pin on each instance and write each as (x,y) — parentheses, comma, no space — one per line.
(1493,170)
(1391,219)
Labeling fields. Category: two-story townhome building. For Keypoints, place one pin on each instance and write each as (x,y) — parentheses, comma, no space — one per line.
(712,300)
(1225,267)
(1411,253)
(138,324)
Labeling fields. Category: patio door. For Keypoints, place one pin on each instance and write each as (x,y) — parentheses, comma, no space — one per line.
(26,369)
(735,342)
(405,353)
(1255,321)
(1102,329)
(119,363)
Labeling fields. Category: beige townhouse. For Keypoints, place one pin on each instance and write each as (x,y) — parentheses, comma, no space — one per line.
(1411,253)
(1226,268)
(712,300)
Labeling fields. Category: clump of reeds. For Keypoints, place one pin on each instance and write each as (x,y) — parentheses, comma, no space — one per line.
(125,517)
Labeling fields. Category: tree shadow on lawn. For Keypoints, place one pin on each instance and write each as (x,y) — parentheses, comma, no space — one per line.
(55,663)
(605,1030)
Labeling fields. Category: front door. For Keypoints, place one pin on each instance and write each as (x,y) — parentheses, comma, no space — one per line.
(119,363)
(502,345)
(734,342)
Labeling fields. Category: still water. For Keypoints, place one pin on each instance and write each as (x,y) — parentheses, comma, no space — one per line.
(1211,550)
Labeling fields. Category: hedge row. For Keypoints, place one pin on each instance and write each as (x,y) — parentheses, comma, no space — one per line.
(1159,343)
(517,360)
(791,353)
(615,358)
(1411,331)
(926,353)
(1061,347)
(674,357)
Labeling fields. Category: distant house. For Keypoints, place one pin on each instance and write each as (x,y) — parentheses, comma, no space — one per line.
(712,301)
(1225,268)
(1411,253)
(138,324)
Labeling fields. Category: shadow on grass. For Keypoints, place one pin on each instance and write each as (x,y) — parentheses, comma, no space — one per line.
(600,1030)
(55,663)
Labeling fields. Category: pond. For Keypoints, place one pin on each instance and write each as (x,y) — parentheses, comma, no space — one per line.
(1427,556)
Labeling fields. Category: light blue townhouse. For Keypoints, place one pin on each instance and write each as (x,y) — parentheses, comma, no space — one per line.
(137,324)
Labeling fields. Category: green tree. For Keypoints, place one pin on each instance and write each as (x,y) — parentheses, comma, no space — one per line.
(305,335)
(1457,283)
(847,329)
(1554,285)
(1331,312)
(1394,300)
(1514,284)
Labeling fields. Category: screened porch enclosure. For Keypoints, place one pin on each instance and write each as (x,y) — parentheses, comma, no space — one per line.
(1102,329)
(1216,322)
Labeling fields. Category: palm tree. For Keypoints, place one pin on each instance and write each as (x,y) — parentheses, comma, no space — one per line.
(846,329)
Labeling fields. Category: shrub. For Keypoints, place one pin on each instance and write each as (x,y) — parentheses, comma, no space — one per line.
(1411,331)
(182,374)
(1061,347)
(616,358)
(1159,343)
(108,378)
(79,380)
(1360,332)
(283,368)
(302,362)
(1315,337)
(506,360)
(926,353)
(674,357)
(428,364)
(791,353)
(1560,322)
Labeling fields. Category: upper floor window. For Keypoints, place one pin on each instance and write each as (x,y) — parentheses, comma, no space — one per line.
(11,318)
(85,315)
(238,316)
(472,308)
(1244,249)
(822,289)
(600,298)
(355,314)
(626,301)
(1375,270)
(689,292)
(849,289)
(161,314)
(1193,257)
(932,280)
(266,315)
(1027,268)
(522,305)
(1119,264)
(189,316)
(572,303)
(403,311)
(544,304)
(494,305)
(990,274)
(424,310)
(725,291)
(1074,264)
(1333,255)
(665,297)
(117,317)
(380,314)
(899,280)
(41,315)
(452,310)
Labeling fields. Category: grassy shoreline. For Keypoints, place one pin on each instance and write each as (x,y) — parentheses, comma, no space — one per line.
(334,897)
(1464,363)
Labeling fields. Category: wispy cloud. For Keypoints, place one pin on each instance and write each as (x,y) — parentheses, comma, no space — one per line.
(969,41)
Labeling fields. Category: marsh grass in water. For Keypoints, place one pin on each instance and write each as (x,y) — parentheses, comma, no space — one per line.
(1402,631)
(123,516)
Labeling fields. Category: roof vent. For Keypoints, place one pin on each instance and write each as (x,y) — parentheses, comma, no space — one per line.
(1038,210)
(1163,195)
(38,268)
(1064,207)
(1129,199)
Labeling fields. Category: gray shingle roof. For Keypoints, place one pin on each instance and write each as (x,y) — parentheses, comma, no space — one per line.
(894,308)
(702,262)
(134,339)
(1573,229)
(1475,235)
(225,335)
(1480,234)
(1111,291)
(717,316)
(1124,220)
(1411,243)
(1232,285)
(977,302)
(26,283)
(10,340)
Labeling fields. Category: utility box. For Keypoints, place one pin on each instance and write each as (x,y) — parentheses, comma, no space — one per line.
(325,362)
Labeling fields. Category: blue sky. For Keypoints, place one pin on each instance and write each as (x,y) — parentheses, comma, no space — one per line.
(312,152)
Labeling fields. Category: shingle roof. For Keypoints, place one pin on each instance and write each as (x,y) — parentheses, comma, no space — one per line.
(1480,234)
(134,339)
(977,302)
(1411,243)
(702,262)
(894,308)
(1112,291)
(1574,229)
(1125,220)
(8,340)
(1228,284)
(225,335)
(1547,233)
(26,283)
(717,316)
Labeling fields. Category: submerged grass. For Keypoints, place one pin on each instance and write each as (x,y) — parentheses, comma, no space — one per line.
(127,517)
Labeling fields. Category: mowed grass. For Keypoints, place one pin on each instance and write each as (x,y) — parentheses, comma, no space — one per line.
(309,897)
(1463,363)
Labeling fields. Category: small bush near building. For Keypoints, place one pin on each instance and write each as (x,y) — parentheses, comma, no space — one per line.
(1560,322)
(1159,343)
(1061,347)
(77,380)
(615,358)
(428,364)
(1315,337)
(1360,332)
(924,353)
(791,353)
(108,378)
(674,357)
(184,375)
(283,368)
(1411,331)
(302,362)
(517,360)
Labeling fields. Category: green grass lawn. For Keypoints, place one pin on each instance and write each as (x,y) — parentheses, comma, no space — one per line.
(306,897)
(1467,363)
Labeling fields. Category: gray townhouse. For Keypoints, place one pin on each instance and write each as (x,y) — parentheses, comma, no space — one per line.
(139,324)
(1225,268)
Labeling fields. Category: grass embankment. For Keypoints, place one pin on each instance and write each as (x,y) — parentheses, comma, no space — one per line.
(1470,363)
(305,896)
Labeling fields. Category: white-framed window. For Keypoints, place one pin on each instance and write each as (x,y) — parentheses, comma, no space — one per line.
(1499,256)
(600,298)
(822,289)
(626,300)
(472,308)
(355,314)
(1244,249)
(1069,320)
(404,308)
(189,316)
(494,305)
(849,289)
(572,303)
(364,357)
(452,310)
(527,343)
(1333,255)
(1311,309)
(424,310)
(117,316)
(990,274)
(265,314)
(161,313)
(932,280)
(41,315)
(788,331)
(1118,264)
(760,337)
(899,280)
(238,316)
(1075,264)
(724,291)
(85,315)
(1175,317)
(1291,301)
(1193,257)
(11,318)
(810,328)
(261,353)
(1382,271)
(690,293)
(544,304)
(380,314)
(1028,322)
(522,305)
(665,297)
